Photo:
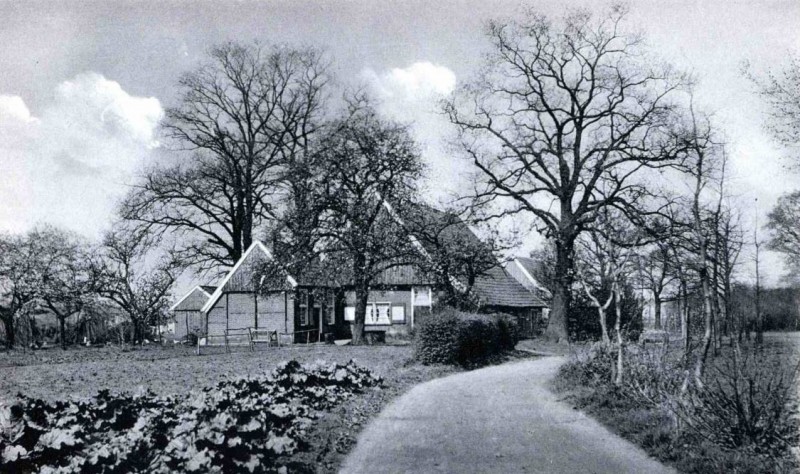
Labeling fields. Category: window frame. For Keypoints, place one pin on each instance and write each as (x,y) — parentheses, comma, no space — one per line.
(303,305)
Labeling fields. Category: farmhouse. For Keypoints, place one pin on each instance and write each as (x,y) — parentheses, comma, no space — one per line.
(303,309)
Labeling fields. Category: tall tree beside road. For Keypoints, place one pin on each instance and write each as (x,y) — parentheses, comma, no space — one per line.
(560,124)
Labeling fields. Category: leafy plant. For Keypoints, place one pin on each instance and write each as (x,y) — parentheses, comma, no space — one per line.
(247,424)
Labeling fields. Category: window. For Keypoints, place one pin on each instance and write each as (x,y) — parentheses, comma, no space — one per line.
(421,295)
(350,313)
(383,313)
(304,308)
(399,314)
(331,312)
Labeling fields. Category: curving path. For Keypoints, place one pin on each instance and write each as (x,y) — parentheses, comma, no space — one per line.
(500,419)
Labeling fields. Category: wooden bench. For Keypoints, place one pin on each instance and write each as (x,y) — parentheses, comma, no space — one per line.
(264,336)
(234,337)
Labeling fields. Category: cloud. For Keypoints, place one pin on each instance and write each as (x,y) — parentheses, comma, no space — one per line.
(69,164)
(412,95)
(409,93)
(14,110)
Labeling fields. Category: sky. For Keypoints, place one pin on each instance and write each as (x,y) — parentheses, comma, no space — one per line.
(83,85)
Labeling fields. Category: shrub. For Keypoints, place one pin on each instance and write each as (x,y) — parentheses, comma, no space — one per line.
(591,369)
(745,404)
(437,338)
(453,337)
(743,418)
(248,424)
(509,331)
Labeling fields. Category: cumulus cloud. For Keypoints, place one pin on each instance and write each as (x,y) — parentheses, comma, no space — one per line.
(69,163)
(412,95)
(14,110)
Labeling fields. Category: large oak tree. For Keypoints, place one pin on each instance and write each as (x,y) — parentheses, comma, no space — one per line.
(560,123)
(244,120)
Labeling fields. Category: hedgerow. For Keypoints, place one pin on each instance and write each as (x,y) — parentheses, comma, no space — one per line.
(249,424)
(454,337)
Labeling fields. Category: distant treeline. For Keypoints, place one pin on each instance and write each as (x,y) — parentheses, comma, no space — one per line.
(780,306)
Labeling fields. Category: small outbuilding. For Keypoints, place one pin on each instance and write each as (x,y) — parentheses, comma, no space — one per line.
(187,313)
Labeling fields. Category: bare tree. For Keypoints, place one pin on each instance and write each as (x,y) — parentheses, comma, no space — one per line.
(606,253)
(757,260)
(781,91)
(453,255)
(136,278)
(783,222)
(71,283)
(244,120)
(728,249)
(598,267)
(367,183)
(561,123)
(657,273)
(25,261)
(703,163)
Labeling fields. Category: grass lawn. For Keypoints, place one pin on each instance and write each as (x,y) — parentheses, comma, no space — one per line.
(55,374)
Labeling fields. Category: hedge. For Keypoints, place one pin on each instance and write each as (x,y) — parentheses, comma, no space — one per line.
(455,337)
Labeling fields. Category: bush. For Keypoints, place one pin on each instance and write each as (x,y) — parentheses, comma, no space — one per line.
(743,418)
(745,404)
(591,369)
(510,332)
(453,337)
(243,425)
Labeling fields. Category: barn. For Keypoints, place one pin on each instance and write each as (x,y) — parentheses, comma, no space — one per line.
(187,313)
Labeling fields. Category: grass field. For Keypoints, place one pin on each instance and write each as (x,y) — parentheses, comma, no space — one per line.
(54,373)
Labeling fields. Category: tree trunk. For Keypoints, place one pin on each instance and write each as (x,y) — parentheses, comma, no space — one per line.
(362,294)
(62,331)
(137,333)
(657,309)
(759,315)
(557,329)
(685,318)
(603,325)
(709,321)
(618,329)
(8,324)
